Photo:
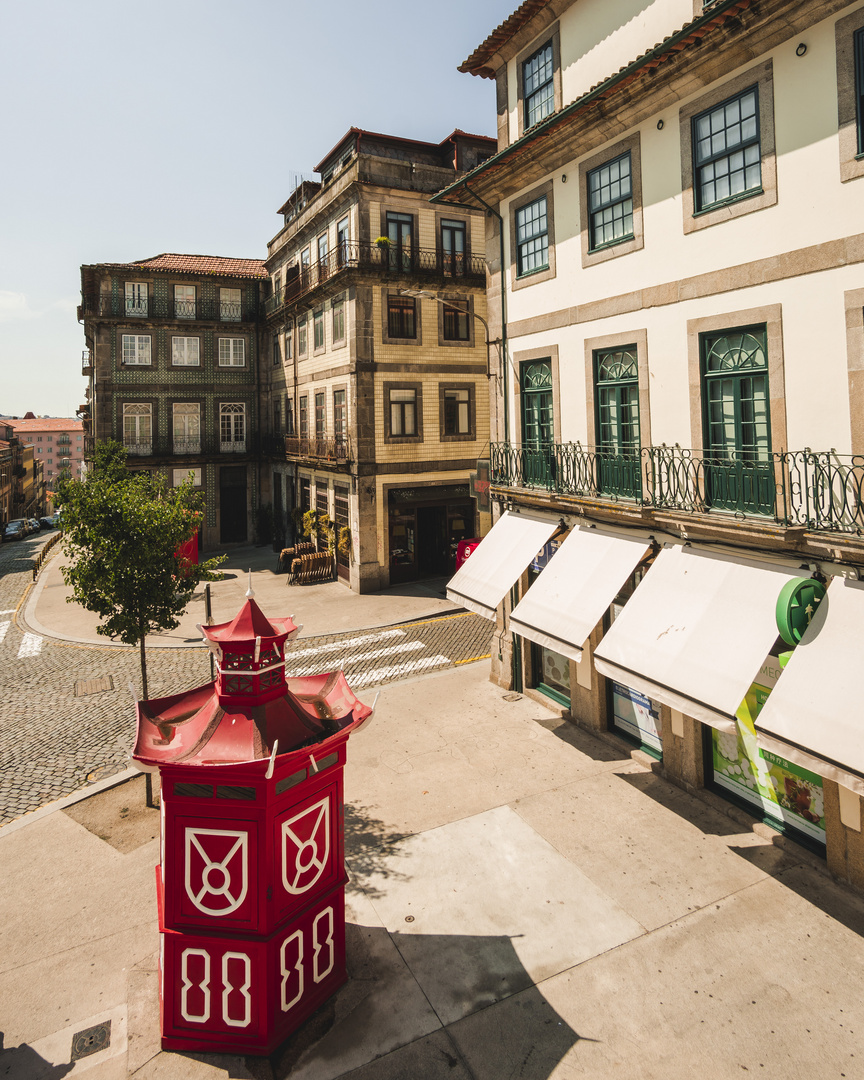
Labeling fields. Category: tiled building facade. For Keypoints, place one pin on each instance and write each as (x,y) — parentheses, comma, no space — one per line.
(377,395)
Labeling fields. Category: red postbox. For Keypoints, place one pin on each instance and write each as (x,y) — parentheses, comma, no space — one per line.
(251,879)
(465,549)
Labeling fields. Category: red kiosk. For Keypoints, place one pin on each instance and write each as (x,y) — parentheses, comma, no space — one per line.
(251,880)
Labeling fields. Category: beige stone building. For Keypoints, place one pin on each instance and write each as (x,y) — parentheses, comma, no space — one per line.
(677,271)
(377,400)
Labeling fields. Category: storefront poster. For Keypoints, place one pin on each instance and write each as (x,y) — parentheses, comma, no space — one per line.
(636,714)
(556,671)
(782,790)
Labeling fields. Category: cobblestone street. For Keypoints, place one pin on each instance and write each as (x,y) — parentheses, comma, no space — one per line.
(52,741)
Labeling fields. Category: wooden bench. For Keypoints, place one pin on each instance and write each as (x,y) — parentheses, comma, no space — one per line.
(310,568)
(289,554)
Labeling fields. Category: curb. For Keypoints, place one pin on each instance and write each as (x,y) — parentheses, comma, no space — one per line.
(69,800)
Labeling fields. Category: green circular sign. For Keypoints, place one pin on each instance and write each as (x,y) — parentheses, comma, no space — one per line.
(796,606)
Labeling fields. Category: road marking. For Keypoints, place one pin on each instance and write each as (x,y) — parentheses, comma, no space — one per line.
(4,627)
(307,669)
(370,677)
(8,611)
(30,646)
(339,646)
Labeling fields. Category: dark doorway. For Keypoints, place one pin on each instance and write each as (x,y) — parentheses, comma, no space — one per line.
(432,554)
(232,503)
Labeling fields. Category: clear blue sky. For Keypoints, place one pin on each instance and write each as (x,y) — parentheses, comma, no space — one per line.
(179,126)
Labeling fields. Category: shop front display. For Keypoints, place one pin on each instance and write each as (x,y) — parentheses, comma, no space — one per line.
(637,716)
(425,526)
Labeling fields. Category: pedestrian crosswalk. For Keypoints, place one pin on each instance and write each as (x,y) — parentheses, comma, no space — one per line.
(4,628)
(31,645)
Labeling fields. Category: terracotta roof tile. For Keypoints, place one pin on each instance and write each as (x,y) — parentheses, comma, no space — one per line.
(198,264)
(477,61)
(46,423)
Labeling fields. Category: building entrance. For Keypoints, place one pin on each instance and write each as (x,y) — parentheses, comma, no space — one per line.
(232,504)
(425,527)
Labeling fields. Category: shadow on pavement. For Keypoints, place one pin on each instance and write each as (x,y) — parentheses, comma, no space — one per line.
(23,1063)
(366,837)
(687,806)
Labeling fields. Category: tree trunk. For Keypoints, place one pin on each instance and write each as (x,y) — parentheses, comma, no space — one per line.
(143,668)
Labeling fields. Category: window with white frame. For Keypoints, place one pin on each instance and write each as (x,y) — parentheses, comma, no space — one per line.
(403,412)
(136,349)
(301,335)
(184,301)
(136,298)
(187,427)
(322,248)
(232,351)
(342,235)
(138,428)
(229,305)
(185,352)
(180,476)
(232,427)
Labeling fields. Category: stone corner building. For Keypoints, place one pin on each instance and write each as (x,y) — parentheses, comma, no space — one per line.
(377,400)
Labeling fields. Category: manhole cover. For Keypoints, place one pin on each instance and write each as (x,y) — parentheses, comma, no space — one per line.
(91,1040)
(93,686)
(512,697)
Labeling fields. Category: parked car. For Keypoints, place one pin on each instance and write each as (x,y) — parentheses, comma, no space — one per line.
(56,518)
(34,525)
(16,530)
(46,522)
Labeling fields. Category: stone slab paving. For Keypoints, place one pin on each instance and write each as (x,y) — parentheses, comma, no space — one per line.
(53,741)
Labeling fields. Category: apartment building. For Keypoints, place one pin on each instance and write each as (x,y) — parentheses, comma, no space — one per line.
(172,361)
(58,442)
(22,480)
(377,397)
(677,271)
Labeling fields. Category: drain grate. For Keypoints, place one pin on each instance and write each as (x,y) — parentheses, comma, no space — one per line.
(93,686)
(90,1041)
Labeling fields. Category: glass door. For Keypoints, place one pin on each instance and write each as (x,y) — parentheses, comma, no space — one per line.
(537,423)
(616,378)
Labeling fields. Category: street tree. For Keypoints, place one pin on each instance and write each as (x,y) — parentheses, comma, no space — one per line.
(123,532)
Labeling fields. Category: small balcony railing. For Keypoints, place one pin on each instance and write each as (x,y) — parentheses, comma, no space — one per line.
(398,262)
(156,307)
(820,491)
(323,448)
(188,446)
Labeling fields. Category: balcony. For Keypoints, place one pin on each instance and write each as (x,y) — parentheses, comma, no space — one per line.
(391,263)
(160,446)
(200,310)
(86,363)
(817,491)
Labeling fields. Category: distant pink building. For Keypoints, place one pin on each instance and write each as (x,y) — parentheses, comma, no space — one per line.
(57,442)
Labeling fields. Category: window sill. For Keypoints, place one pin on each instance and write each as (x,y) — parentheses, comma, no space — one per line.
(752,194)
(612,243)
(532,273)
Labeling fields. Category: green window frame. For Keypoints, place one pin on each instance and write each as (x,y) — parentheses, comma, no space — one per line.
(739,468)
(616,396)
(532,237)
(610,203)
(727,162)
(538,422)
(858,46)
(538,85)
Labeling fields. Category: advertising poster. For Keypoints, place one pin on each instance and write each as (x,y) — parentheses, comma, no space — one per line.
(636,714)
(780,789)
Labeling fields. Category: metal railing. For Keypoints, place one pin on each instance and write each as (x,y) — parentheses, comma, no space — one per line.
(400,262)
(156,307)
(325,448)
(188,446)
(817,490)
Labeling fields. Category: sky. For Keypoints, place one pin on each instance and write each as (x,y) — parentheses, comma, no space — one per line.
(181,125)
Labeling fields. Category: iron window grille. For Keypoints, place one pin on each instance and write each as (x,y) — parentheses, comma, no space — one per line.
(532,238)
(610,202)
(538,85)
(727,161)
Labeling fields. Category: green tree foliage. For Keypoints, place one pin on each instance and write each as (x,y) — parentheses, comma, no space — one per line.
(122,531)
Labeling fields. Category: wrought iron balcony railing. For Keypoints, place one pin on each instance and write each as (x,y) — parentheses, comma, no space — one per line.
(161,307)
(399,262)
(188,446)
(821,491)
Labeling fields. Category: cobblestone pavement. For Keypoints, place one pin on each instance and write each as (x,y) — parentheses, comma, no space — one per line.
(53,742)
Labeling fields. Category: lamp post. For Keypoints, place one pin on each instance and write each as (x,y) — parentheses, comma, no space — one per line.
(426,295)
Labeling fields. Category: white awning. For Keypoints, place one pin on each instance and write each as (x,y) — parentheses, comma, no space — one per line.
(813,716)
(579,583)
(696,631)
(482,581)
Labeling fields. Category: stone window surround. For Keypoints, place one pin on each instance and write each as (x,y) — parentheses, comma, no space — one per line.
(632,144)
(417,340)
(185,337)
(546,352)
(457,215)
(316,314)
(417,387)
(232,366)
(471,434)
(851,165)
(854,304)
(550,34)
(303,325)
(771,317)
(334,303)
(446,343)
(516,204)
(136,332)
(610,342)
(762,76)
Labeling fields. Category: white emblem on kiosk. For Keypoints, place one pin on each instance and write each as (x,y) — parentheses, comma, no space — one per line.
(217,869)
(305,847)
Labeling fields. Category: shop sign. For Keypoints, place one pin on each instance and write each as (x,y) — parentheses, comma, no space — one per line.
(783,791)
(541,559)
(796,606)
(636,714)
